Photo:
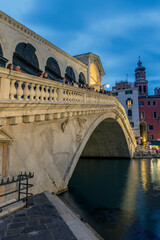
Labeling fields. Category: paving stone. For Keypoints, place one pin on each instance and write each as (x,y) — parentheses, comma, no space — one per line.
(43,235)
(38,222)
(16,225)
(34,228)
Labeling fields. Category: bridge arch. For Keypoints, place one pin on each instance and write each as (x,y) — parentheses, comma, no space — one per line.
(122,142)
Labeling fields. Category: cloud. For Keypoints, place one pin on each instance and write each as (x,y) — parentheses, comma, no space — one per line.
(18,8)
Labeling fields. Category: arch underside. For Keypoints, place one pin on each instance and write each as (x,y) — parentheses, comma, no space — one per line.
(107,140)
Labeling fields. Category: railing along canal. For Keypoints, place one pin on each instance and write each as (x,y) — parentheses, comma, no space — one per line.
(26,87)
(22,188)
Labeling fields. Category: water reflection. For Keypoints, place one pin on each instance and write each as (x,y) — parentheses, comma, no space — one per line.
(120,199)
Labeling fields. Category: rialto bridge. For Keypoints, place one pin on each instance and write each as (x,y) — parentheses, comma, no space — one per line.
(47,133)
(45,126)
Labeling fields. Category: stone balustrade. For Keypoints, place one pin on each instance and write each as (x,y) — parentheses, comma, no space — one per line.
(26,87)
(27,98)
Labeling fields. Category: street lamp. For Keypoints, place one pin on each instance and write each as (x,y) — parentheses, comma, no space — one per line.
(107,85)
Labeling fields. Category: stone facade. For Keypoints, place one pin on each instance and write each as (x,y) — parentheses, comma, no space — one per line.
(12,33)
(47,123)
(127,94)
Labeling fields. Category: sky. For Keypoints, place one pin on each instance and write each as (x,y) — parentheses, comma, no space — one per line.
(118,31)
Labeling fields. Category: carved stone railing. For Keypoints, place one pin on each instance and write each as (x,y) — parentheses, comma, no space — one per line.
(25,87)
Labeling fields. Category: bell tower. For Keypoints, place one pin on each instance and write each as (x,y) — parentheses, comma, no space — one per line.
(140,80)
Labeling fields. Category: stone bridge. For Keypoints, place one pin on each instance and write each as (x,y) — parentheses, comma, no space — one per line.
(46,126)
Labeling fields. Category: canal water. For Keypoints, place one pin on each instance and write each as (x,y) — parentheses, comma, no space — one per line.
(119,198)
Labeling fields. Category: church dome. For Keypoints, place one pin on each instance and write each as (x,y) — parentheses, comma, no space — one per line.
(140,67)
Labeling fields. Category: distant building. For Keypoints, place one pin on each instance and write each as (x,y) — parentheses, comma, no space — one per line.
(127,94)
(149,107)
(143,110)
(157,91)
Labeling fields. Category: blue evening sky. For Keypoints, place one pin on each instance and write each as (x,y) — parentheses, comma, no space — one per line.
(117,30)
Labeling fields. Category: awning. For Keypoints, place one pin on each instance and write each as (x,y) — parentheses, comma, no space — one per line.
(156,143)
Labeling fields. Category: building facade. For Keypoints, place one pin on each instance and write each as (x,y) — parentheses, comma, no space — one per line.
(127,94)
(149,107)
(143,110)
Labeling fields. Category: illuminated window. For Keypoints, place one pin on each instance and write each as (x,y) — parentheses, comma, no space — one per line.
(142,115)
(129,102)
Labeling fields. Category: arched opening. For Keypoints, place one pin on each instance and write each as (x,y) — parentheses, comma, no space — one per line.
(25,57)
(97,184)
(3,60)
(140,89)
(143,132)
(107,140)
(94,75)
(129,113)
(70,76)
(82,78)
(52,68)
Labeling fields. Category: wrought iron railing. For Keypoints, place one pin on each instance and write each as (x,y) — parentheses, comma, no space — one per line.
(21,189)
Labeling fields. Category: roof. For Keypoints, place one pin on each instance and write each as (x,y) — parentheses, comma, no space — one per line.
(90,54)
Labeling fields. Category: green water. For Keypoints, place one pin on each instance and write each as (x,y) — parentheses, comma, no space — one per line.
(119,198)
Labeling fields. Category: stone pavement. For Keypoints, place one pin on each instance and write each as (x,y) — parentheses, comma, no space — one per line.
(39,221)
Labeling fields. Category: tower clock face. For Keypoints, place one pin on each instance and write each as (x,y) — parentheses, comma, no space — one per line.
(94,79)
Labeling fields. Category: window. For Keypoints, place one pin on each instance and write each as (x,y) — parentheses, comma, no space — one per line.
(151,137)
(52,68)
(129,113)
(140,89)
(115,94)
(144,89)
(142,115)
(154,103)
(132,124)
(70,76)
(149,103)
(150,127)
(155,115)
(129,102)
(82,78)
(141,103)
(128,92)
(3,60)
(25,56)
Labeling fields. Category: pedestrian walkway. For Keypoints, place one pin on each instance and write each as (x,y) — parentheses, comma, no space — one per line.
(42,221)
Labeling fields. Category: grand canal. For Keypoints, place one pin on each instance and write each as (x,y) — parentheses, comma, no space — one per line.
(119,198)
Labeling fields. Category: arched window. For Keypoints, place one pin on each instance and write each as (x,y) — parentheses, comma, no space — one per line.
(129,113)
(142,115)
(70,76)
(52,68)
(144,89)
(26,58)
(3,60)
(129,102)
(82,78)
(140,89)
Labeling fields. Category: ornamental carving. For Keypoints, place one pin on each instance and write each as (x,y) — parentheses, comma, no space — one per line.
(80,134)
(64,125)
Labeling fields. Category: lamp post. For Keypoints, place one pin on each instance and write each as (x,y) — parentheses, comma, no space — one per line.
(107,85)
